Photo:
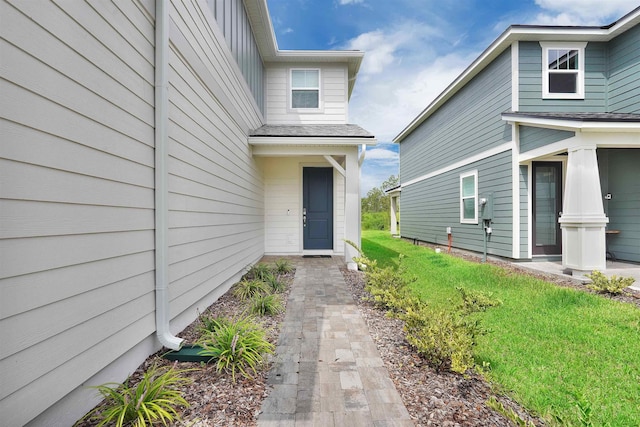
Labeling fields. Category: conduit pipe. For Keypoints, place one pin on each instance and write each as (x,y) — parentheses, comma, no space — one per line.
(163,333)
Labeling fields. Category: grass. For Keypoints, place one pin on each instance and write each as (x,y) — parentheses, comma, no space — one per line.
(549,346)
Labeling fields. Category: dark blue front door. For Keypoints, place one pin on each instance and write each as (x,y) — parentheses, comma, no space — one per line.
(317,208)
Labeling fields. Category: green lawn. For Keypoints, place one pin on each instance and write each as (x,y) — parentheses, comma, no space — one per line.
(547,344)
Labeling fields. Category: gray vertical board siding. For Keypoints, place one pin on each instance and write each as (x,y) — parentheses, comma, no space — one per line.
(534,137)
(234,23)
(77,195)
(620,176)
(77,234)
(624,72)
(530,85)
(524,211)
(432,205)
(467,124)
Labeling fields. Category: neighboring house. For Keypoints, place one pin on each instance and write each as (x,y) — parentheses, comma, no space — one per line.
(150,152)
(545,128)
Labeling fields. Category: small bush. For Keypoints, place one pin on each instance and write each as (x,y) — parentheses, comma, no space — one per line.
(246,289)
(273,283)
(283,266)
(508,412)
(212,323)
(616,285)
(258,271)
(265,304)
(389,287)
(237,347)
(153,399)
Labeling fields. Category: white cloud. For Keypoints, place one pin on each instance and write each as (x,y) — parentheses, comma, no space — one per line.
(582,12)
(381,154)
(343,2)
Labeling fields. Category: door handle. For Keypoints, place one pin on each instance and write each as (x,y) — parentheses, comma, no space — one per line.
(304,217)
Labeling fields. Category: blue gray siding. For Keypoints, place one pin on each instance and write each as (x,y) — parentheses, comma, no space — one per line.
(624,72)
(234,23)
(432,205)
(533,137)
(530,68)
(620,176)
(467,124)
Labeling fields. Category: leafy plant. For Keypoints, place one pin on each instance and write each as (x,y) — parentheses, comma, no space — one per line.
(246,289)
(389,287)
(258,271)
(265,304)
(508,413)
(153,399)
(283,266)
(615,285)
(274,283)
(212,323)
(238,346)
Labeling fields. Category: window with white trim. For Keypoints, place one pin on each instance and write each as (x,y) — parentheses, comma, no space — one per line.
(469,197)
(305,88)
(563,70)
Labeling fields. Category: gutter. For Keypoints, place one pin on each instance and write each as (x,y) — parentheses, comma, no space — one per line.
(161,172)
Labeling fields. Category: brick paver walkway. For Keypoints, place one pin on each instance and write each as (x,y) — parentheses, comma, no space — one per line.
(327,370)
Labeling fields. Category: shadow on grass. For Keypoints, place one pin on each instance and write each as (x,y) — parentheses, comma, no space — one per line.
(386,257)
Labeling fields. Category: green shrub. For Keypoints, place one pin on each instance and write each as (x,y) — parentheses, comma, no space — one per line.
(447,337)
(246,289)
(212,323)
(389,287)
(238,346)
(375,220)
(153,399)
(616,285)
(508,413)
(283,266)
(265,304)
(258,271)
(273,283)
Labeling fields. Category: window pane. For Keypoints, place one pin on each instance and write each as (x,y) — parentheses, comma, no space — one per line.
(304,99)
(468,186)
(469,208)
(563,82)
(563,59)
(545,203)
(304,78)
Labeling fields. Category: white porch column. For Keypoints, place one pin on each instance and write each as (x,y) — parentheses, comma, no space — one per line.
(583,220)
(352,207)
(394,213)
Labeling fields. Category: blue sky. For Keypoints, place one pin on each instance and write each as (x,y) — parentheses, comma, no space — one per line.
(414,49)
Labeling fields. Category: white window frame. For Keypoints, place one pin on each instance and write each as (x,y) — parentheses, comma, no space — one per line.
(546,47)
(473,220)
(291,89)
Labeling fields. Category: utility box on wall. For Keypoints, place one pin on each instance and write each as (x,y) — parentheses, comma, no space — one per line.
(485,205)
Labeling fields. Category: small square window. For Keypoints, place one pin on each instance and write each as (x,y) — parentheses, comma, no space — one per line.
(563,70)
(469,198)
(305,89)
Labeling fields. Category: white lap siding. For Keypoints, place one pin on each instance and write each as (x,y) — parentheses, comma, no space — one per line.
(77,192)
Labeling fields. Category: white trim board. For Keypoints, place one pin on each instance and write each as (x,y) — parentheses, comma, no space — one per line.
(462,163)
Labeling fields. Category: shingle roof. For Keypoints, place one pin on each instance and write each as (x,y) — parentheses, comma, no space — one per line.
(317,131)
(583,117)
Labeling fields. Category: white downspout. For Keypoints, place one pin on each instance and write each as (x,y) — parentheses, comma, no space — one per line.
(161,154)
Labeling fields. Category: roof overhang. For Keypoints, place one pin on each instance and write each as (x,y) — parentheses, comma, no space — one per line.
(262,26)
(584,122)
(522,33)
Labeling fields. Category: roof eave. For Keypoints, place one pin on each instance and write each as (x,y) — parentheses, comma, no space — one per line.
(572,125)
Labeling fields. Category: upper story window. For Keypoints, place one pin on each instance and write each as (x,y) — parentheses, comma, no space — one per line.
(563,70)
(469,197)
(305,88)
